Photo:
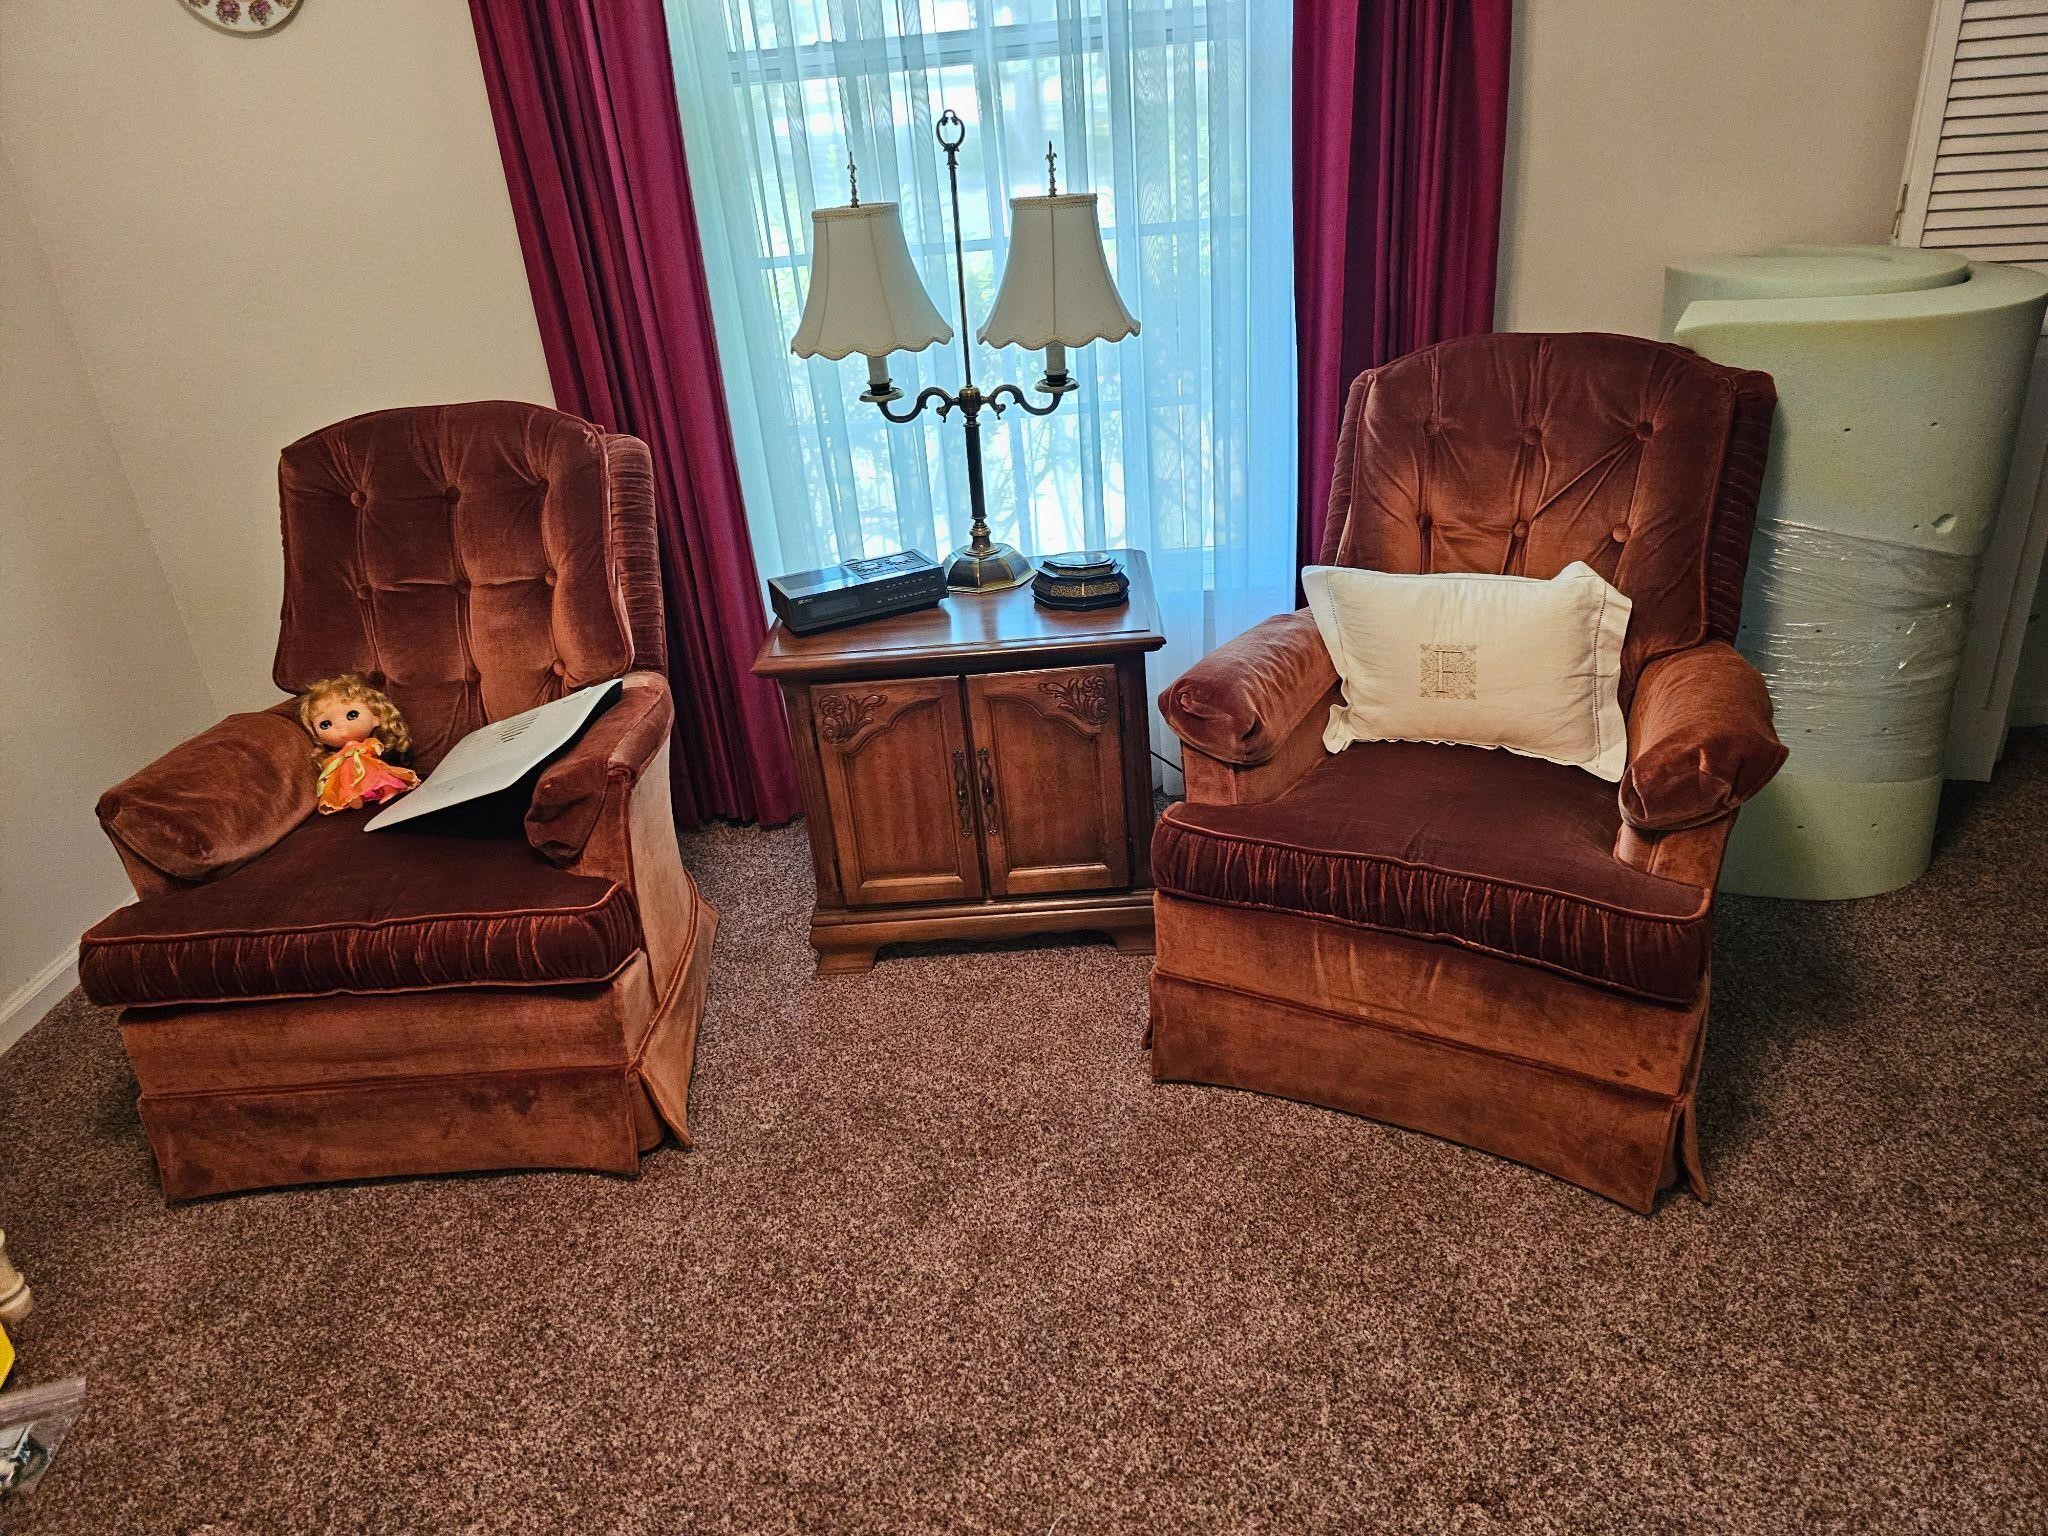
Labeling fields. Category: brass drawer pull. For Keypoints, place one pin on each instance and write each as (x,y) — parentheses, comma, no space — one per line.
(962,794)
(988,785)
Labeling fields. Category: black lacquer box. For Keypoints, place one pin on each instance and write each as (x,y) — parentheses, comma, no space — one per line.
(1082,580)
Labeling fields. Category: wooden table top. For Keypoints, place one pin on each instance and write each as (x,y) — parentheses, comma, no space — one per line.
(970,633)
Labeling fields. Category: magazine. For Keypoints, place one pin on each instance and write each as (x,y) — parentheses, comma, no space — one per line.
(496,756)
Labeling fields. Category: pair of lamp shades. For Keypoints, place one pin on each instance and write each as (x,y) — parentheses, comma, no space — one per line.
(866,297)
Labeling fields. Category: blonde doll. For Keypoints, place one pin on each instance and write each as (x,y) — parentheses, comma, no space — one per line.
(357,727)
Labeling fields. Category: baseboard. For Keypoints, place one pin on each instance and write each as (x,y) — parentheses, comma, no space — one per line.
(27,1004)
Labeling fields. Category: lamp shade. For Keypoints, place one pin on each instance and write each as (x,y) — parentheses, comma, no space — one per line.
(865,294)
(1056,289)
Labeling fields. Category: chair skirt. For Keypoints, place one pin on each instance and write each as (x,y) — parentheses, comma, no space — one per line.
(1589,1085)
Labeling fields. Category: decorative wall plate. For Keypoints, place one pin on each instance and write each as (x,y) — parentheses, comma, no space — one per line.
(244,18)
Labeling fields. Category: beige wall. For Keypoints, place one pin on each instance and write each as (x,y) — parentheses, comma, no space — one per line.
(98,674)
(208,246)
(1640,131)
(254,237)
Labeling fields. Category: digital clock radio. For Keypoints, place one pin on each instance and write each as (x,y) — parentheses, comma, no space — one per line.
(808,601)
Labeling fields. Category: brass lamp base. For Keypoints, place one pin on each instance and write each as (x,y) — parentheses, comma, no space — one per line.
(992,568)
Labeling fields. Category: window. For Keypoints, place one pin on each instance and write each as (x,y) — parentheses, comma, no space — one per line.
(1181,440)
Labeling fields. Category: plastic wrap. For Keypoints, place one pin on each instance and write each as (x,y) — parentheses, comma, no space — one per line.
(1860,640)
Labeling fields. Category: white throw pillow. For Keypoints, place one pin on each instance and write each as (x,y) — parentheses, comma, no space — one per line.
(1486,661)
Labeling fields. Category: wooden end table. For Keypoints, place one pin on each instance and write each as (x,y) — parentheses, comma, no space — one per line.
(978,770)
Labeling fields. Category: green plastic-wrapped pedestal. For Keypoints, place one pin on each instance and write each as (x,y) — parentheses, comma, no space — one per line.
(1900,375)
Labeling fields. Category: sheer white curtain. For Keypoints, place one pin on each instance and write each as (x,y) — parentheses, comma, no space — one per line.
(1180,442)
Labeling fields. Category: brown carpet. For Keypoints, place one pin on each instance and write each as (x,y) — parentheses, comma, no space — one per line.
(945,1260)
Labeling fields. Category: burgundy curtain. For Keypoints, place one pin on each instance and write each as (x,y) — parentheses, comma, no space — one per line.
(593,151)
(1400,127)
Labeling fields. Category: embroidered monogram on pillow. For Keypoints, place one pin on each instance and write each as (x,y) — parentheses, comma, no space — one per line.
(1511,662)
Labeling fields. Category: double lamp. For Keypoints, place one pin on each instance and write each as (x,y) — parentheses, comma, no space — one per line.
(1055,293)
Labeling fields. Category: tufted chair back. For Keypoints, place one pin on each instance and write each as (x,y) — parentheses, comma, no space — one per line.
(1521,453)
(472,560)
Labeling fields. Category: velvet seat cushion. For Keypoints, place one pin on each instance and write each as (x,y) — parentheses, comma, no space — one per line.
(333,909)
(1503,854)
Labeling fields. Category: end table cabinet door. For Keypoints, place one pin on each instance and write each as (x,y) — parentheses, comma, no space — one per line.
(1049,769)
(896,770)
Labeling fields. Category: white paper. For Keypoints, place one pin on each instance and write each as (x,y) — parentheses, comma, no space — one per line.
(495,756)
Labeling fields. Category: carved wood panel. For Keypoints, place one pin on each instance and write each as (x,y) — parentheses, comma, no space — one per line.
(895,764)
(1049,772)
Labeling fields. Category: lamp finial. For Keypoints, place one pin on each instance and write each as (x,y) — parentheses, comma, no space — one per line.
(1052,175)
(852,180)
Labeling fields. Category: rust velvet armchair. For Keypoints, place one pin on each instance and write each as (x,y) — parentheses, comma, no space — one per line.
(1498,950)
(514,987)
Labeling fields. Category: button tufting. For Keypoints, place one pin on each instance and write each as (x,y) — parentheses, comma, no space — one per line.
(473,676)
(1521,527)
(549,578)
(1643,430)
(356,498)
(453,495)
(558,669)
(1531,436)
(1620,535)
(362,594)
(462,583)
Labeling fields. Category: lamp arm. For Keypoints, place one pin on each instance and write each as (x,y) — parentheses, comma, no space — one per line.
(932,395)
(995,400)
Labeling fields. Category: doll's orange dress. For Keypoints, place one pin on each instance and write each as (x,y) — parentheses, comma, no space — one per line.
(358,775)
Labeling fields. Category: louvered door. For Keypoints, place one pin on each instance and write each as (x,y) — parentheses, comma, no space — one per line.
(1977,171)
(1977,184)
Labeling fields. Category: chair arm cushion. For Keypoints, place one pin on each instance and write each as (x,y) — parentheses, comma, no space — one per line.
(617,747)
(214,803)
(1699,739)
(1242,701)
